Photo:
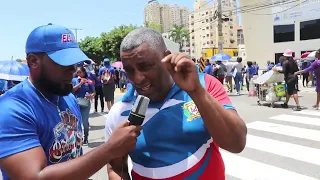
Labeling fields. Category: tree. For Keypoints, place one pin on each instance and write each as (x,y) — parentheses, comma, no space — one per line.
(92,47)
(19,60)
(179,34)
(111,41)
(154,26)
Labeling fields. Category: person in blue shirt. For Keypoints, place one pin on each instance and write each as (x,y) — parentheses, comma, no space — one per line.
(107,75)
(123,80)
(98,90)
(3,86)
(208,69)
(40,124)
(250,72)
(83,90)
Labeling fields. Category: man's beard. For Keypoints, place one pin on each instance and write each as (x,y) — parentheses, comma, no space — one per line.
(53,87)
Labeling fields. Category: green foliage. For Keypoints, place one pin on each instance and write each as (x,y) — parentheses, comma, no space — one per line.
(107,45)
(19,60)
(179,34)
(92,47)
(154,26)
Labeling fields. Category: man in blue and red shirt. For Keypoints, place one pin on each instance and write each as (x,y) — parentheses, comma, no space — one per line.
(189,116)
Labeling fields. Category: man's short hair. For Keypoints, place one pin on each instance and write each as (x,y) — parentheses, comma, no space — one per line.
(143,35)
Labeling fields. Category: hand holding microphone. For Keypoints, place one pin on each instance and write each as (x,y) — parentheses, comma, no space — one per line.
(124,138)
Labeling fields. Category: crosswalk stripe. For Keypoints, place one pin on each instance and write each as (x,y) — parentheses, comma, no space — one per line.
(297,119)
(308,112)
(285,130)
(247,169)
(293,151)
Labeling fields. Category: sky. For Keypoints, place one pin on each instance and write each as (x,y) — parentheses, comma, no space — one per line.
(19,17)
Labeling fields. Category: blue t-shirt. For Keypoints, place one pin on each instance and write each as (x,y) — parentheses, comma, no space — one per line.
(83,89)
(28,120)
(94,77)
(251,70)
(208,70)
(103,69)
(3,85)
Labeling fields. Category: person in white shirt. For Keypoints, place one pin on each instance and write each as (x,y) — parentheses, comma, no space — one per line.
(230,67)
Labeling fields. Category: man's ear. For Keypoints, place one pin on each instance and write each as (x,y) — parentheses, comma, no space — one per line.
(33,61)
(167,52)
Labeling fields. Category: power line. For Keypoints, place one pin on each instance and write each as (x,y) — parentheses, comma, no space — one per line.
(76,32)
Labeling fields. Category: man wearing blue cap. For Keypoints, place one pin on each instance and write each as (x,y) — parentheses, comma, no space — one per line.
(107,74)
(40,124)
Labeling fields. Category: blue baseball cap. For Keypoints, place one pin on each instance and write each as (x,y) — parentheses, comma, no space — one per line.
(106,60)
(58,43)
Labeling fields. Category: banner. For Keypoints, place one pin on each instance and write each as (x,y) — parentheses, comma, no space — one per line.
(296,11)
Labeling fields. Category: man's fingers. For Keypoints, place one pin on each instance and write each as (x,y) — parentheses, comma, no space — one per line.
(167,59)
(123,124)
(179,57)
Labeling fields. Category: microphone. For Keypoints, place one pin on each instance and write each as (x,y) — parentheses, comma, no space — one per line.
(138,111)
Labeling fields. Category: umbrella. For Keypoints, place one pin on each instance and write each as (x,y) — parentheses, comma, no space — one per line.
(221,57)
(117,64)
(312,54)
(304,55)
(13,70)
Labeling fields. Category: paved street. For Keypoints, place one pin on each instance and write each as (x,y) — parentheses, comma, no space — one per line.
(281,144)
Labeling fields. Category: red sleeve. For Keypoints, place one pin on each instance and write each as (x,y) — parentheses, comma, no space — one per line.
(216,90)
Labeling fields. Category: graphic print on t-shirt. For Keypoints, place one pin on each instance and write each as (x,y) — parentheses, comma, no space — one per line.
(68,138)
(190,110)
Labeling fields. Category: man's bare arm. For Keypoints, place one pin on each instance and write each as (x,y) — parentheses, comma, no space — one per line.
(118,169)
(32,165)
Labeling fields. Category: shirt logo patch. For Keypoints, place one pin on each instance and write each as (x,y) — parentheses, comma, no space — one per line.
(68,138)
(190,110)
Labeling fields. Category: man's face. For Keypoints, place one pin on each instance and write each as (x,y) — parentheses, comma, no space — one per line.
(317,55)
(50,76)
(146,72)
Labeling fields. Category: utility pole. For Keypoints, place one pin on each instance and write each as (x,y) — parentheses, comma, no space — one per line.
(76,32)
(220,33)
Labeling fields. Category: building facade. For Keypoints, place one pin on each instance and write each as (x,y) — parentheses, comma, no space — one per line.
(185,44)
(240,36)
(165,15)
(286,25)
(203,26)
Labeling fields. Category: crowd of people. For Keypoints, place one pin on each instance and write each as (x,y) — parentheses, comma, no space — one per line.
(230,72)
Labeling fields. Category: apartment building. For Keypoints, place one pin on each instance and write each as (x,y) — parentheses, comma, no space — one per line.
(203,26)
(165,15)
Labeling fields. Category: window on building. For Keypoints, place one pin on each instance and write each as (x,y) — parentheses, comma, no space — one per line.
(283,33)
(207,27)
(231,27)
(207,12)
(211,42)
(207,35)
(310,29)
(207,20)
